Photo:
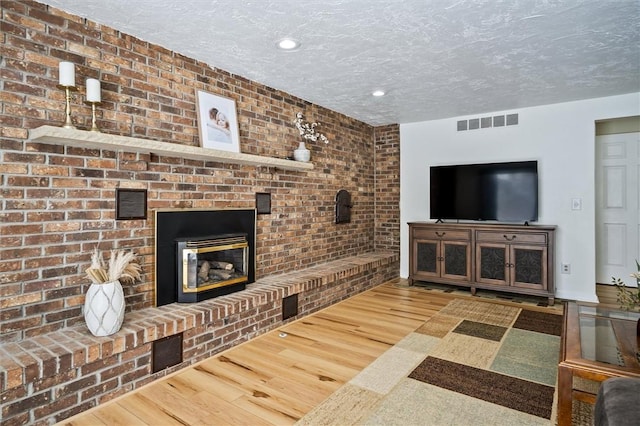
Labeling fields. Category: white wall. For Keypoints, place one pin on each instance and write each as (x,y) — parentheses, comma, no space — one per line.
(560,136)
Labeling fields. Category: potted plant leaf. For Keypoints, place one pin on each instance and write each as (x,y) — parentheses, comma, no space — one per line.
(629,297)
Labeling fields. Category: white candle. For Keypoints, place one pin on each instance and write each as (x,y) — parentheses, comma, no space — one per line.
(93,90)
(67,74)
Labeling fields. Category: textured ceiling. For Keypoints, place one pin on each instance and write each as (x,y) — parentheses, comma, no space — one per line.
(434,58)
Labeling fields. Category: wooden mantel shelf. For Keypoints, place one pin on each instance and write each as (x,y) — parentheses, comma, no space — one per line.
(97,140)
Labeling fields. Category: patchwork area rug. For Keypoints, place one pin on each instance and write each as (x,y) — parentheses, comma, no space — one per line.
(472,363)
(500,354)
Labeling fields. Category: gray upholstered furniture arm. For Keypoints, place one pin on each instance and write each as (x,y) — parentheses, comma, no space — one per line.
(618,402)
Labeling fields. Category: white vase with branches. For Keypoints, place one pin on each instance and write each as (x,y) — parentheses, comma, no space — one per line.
(309,133)
(104,303)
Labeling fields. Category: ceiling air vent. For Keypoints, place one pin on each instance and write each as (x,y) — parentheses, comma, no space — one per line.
(486,122)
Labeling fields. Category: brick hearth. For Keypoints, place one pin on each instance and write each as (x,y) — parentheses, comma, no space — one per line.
(54,376)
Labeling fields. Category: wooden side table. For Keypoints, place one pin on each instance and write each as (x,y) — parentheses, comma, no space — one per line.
(597,344)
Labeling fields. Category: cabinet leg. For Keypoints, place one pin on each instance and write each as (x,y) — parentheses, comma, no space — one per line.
(552,300)
(473,291)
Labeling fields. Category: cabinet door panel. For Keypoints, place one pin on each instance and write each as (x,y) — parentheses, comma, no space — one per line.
(456,264)
(529,266)
(491,263)
(427,257)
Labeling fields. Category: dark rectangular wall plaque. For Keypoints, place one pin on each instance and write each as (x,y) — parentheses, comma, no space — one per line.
(131,203)
(263,203)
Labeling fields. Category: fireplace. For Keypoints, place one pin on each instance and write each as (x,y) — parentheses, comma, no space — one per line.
(201,254)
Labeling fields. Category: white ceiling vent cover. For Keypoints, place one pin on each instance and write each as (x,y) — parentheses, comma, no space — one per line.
(486,122)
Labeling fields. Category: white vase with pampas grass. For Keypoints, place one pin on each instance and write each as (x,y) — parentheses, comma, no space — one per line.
(104,303)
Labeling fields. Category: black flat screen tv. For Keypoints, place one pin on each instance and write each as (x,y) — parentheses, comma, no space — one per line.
(505,192)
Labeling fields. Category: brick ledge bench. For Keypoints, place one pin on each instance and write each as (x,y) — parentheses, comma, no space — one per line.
(51,377)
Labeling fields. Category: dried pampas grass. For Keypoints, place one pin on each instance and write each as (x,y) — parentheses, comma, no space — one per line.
(123,266)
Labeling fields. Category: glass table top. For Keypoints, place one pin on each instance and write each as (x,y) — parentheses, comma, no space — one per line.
(608,313)
(597,336)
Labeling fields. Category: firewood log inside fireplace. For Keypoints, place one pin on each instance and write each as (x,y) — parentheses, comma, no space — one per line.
(214,270)
(220,274)
(221,265)
(203,273)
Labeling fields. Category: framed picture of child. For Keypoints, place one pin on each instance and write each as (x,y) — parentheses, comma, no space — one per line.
(218,122)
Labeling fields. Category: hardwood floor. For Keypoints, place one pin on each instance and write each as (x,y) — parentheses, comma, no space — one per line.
(607,295)
(275,379)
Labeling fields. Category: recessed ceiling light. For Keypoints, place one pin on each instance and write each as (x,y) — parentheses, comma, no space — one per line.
(288,44)
(378,93)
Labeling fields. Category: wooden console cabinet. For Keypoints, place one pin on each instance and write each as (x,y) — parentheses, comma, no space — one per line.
(510,258)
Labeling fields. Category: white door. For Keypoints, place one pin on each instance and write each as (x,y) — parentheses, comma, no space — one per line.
(617,207)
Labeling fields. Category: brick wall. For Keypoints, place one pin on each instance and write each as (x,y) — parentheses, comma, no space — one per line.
(387,182)
(58,201)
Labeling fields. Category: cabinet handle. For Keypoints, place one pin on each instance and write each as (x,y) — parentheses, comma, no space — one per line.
(506,237)
(441,234)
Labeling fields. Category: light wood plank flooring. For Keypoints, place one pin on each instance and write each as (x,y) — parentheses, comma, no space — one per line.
(277,378)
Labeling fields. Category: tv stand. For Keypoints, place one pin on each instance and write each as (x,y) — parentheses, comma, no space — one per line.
(510,258)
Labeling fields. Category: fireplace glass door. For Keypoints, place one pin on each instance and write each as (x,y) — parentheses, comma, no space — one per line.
(212,262)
